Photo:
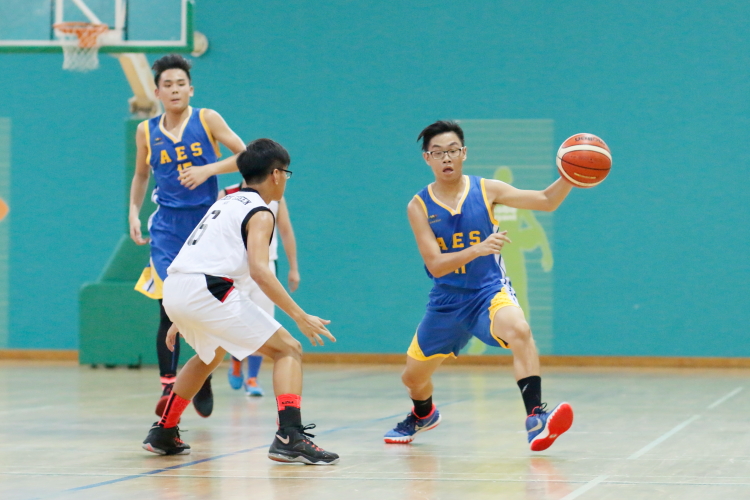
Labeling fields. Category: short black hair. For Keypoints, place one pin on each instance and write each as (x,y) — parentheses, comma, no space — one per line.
(437,128)
(171,61)
(260,158)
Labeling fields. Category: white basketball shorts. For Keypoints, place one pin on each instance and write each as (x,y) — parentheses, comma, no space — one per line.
(221,316)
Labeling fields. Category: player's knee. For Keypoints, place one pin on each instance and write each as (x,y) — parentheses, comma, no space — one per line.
(291,348)
(412,380)
(520,331)
(296,348)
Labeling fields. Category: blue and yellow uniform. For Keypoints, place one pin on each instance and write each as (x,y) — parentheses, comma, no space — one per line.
(179,209)
(462,303)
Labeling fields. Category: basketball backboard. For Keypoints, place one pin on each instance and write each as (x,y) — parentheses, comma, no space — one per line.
(133,25)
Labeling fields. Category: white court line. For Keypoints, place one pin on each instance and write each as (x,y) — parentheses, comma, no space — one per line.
(663,437)
(583,489)
(718,402)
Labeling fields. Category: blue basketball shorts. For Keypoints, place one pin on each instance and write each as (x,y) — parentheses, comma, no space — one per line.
(169,228)
(455,315)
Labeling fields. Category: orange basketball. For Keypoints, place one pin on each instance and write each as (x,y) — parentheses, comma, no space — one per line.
(4,209)
(584,160)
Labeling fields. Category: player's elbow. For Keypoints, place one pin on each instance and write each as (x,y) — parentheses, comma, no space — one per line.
(140,176)
(435,270)
(259,274)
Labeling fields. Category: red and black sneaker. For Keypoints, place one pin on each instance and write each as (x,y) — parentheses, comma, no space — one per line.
(166,391)
(165,441)
(203,402)
(293,444)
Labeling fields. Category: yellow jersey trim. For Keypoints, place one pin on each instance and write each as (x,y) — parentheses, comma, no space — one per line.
(460,202)
(416,352)
(182,128)
(148,141)
(421,202)
(150,284)
(488,204)
(209,134)
(500,300)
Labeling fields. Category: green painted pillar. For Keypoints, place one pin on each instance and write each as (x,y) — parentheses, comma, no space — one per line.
(117,324)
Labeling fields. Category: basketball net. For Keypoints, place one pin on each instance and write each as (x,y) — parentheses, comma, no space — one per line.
(80,44)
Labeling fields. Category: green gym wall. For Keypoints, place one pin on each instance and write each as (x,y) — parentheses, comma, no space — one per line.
(653,262)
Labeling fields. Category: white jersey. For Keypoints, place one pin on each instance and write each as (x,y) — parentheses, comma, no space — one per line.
(218,245)
(273,250)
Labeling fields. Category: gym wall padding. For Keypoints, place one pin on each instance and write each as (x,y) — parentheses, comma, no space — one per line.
(653,262)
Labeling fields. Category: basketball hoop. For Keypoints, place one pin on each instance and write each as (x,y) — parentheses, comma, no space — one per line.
(80,44)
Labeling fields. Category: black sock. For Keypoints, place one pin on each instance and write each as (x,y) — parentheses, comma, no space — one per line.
(422,408)
(290,414)
(167,359)
(531,392)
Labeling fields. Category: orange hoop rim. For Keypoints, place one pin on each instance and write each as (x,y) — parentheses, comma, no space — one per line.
(87,33)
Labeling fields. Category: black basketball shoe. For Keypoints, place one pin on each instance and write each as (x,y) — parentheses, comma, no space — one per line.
(292,444)
(165,441)
(204,400)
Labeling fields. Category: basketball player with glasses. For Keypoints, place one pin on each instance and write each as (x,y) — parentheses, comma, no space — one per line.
(456,233)
(204,296)
(284,230)
(180,147)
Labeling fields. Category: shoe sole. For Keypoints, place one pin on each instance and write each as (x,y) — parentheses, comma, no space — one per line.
(159,451)
(558,422)
(277,457)
(237,385)
(208,414)
(409,439)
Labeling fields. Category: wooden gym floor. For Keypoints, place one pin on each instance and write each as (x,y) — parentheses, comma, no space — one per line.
(73,432)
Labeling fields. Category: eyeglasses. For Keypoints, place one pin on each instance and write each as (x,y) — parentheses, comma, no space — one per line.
(287,173)
(452,153)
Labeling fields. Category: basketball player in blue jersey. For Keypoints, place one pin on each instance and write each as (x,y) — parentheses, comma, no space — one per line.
(183,139)
(456,233)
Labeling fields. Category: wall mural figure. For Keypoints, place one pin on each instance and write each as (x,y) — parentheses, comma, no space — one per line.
(527,234)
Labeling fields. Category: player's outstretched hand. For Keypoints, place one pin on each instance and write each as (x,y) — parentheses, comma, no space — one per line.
(192,177)
(171,337)
(494,243)
(313,328)
(135,232)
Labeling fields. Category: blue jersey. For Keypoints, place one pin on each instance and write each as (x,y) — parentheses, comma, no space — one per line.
(471,223)
(168,155)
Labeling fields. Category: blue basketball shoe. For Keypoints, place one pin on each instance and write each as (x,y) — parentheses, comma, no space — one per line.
(235,374)
(252,388)
(544,427)
(406,430)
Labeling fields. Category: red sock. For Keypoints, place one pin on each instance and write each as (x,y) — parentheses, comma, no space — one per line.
(236,367)
(173,411)
(289,410)
(169,379)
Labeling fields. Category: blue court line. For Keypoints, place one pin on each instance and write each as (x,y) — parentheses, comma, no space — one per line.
(239,452)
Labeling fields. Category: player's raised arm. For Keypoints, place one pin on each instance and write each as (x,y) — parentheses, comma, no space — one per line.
(259,230)
(438,263)
(139,185)
(546,200)
(286,232)
(195,176)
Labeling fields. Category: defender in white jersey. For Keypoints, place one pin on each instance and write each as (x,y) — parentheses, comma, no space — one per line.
(205,295)
(284,230)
